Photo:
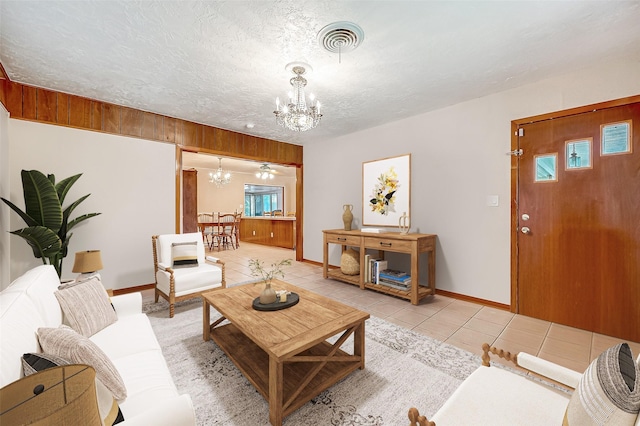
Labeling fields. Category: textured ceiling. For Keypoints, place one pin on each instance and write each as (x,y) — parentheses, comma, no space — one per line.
(222,63)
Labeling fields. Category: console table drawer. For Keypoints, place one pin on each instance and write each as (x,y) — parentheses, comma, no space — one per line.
(345,240)
(388,244)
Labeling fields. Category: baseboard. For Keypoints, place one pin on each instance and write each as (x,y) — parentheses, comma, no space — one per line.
(450,294)
(134,289)
(472,299)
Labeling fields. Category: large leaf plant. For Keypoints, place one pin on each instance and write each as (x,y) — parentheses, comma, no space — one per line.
(48,223)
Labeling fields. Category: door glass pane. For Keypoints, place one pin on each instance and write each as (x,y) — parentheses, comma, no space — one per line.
(546,170)
(616,138)
(578,154)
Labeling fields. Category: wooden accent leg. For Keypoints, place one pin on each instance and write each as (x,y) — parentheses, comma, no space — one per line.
(417,420)
(486,360)
(206,317)
(276,391)
(157,295)
(358,344)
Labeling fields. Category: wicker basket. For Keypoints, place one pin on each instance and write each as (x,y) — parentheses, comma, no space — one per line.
(350,262)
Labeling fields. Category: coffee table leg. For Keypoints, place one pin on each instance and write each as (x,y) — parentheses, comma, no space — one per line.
(206,316)
(358,344)
(276,391)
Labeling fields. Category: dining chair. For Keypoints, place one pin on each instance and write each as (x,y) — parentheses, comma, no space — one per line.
(208,232)
(226,230)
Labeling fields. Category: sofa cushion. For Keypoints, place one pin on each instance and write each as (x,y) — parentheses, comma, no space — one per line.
(184,254)
(66,343)
(129,335)
(87,307)
(110,412)
(608,392)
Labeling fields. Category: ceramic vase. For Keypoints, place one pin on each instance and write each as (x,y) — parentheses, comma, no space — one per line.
(268,295)
(404,223)
(347,216)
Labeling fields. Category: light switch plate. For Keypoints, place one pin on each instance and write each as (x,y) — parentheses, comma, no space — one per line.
(493,201)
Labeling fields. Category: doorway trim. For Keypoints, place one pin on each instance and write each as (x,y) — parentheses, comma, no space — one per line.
(299,189)
(515,125)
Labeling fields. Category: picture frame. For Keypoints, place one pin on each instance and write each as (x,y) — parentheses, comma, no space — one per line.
(386,191)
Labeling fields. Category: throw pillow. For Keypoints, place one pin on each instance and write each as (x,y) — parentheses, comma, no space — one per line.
(108,407)
(184,254)
(87,307)
(608,392)
(66,343)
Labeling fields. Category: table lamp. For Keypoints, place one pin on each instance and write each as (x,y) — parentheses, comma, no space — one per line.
(57,396)
(87,263)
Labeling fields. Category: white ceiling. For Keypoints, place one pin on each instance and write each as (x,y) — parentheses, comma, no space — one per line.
(222,63)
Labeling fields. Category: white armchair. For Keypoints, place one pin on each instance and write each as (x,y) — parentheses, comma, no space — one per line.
(495,396)
(175,283)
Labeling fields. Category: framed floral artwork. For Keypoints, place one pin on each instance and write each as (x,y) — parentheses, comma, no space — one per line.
(386,190)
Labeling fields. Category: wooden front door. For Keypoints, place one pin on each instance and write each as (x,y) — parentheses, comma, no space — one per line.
(578,221)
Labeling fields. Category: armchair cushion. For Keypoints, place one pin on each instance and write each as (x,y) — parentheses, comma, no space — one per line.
(492,395)
(189,280)
(184,254)
(608,392)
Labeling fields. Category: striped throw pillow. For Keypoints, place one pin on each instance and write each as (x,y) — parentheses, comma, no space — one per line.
(184,254)
(87,307)
(608,392)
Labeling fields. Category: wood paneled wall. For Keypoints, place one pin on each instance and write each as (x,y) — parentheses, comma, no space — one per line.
(37,104)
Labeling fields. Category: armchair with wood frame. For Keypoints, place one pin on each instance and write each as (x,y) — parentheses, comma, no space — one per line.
(540,392)
(182,277)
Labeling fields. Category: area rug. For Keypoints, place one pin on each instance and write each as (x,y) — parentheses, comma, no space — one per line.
(403,369)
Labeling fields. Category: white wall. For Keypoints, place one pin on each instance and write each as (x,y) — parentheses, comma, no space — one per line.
(230,197)
(131,182)
(5,211)
(458,159)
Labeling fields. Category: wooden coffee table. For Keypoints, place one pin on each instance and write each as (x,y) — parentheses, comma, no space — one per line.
(284,353)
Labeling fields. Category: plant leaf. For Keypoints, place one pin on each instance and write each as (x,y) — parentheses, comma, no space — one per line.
(41,199)
(44,242)
(79,219)
(27,219)
(63,187)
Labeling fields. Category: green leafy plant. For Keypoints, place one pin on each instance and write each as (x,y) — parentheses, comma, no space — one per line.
(48,223)
(258,269)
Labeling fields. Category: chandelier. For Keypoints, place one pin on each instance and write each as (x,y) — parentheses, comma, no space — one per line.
(265,172)
(295,115)
(220,177)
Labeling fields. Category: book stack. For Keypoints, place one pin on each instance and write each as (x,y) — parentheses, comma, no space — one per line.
(373,268)
(395,279)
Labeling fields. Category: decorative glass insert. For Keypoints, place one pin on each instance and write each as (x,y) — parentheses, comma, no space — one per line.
(616,138)
(578,153)
(546,168)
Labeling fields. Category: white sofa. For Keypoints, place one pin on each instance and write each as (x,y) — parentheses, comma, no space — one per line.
(496,396)
(29,303)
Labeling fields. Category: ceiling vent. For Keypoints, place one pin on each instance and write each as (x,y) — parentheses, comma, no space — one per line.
(341,37)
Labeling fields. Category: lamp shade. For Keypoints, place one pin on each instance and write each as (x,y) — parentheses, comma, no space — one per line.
(57,396)
(87,261)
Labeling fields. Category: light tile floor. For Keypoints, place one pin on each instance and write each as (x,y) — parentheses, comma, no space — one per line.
(459,323)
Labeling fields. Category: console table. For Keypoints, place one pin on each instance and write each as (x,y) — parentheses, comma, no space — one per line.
(412,244)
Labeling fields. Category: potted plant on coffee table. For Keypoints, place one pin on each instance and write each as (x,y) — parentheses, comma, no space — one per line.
(258,269)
